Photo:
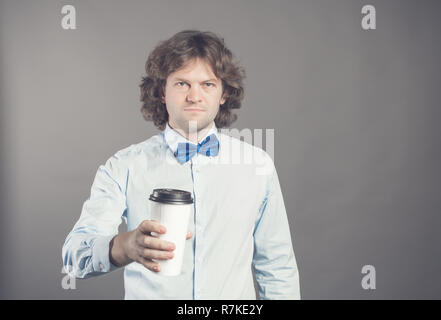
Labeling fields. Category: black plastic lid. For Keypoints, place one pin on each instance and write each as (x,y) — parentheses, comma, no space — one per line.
(171,196)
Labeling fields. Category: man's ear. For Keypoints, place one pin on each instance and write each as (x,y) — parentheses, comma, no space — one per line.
(224,99)
(162,93)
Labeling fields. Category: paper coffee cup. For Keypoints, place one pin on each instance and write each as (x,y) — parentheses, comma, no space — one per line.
(172,209)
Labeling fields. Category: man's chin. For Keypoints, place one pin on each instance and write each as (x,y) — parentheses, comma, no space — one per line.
(198,124)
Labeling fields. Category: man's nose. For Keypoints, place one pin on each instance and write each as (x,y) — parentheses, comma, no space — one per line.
(194,95)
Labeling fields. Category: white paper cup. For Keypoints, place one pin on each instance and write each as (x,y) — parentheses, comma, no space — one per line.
(172,209)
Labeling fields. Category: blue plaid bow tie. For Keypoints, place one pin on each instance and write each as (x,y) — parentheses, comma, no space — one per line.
(208,147)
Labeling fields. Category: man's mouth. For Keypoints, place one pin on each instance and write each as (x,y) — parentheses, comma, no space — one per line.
(194,109)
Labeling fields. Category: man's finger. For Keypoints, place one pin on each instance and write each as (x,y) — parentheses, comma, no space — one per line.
(148,226)
(157,254)
(157,244)
(149,264)
(189,235)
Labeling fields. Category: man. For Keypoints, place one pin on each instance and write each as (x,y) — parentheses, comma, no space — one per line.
(239,220)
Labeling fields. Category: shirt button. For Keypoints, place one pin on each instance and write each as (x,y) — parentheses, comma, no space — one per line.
(101,266)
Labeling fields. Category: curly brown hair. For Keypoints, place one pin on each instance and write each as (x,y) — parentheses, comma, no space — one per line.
(172,54)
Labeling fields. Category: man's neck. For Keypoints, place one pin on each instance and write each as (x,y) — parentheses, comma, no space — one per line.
(193,135)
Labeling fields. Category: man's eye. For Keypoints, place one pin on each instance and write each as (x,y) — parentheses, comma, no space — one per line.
(210,84)
(180,83)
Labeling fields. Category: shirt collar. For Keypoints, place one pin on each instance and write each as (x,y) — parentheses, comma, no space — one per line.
(173,138)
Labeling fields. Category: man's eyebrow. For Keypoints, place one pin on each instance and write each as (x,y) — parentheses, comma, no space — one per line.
(185,80)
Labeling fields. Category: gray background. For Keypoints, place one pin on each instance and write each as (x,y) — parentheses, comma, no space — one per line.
(355,113)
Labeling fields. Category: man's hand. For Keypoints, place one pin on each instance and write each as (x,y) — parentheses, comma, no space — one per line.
(141,246)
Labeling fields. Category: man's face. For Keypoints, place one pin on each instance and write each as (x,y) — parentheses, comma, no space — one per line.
(193,93)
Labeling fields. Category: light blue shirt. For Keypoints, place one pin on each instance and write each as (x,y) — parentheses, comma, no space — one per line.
(239,221)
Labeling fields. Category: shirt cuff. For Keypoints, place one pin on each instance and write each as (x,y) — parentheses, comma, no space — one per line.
(100,255)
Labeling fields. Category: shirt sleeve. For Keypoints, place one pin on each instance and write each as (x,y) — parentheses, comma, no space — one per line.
(85,251)
(274,261)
